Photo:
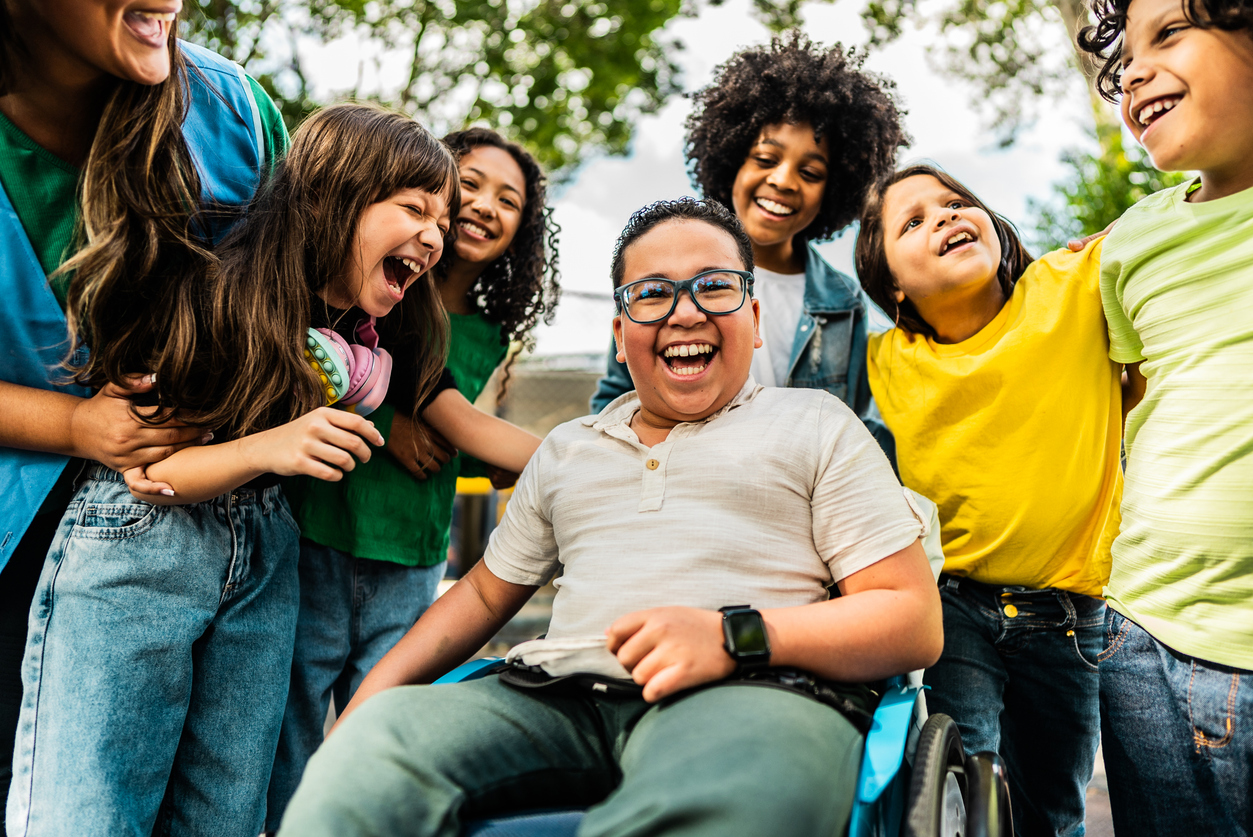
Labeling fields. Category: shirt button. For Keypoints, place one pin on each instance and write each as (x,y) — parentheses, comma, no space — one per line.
(1011,611)
(652,464)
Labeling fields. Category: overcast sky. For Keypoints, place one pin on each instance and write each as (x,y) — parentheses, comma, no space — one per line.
(593,207)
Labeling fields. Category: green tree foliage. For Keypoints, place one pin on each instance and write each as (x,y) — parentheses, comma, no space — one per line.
(565,76)
(1013,52)
(1098,188)
(1021,55)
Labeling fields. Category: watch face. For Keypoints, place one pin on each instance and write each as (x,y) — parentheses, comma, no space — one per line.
(748,632)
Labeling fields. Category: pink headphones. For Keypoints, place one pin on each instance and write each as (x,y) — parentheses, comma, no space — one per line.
(353,375)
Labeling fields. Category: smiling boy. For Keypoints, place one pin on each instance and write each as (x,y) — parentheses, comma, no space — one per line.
(1177,286)
(788,137)
(698,492)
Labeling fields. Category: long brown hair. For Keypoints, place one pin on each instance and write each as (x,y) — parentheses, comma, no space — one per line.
(248,371)
(872,258)
(140,259)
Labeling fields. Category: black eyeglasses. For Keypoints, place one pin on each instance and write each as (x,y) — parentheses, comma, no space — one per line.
(715,292)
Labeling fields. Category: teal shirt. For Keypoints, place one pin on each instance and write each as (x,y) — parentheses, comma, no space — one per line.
(43,188)
(379,510)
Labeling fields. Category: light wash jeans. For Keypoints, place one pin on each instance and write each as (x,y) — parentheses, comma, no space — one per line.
(352,611)
(156,666)
(1177,739)
(1025,686)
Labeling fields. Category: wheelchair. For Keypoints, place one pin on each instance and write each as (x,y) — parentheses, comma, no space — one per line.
(915,779)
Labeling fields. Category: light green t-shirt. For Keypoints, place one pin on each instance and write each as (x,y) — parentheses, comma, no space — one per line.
(1177,286)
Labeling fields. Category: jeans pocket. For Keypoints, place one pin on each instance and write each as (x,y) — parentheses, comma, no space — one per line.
(284,513)
(1117,630)
(1211,704)
(116,521)
(1077,642)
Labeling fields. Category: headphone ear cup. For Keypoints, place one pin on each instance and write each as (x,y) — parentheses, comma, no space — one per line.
(375,388)
(329,356)
(364,370)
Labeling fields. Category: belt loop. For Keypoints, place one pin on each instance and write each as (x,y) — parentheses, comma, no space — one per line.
(1072,616)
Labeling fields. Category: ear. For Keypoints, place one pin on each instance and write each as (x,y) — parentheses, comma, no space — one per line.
(898,295)
(757,342)
(619,352)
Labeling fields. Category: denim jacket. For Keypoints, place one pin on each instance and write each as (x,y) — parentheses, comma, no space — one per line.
(223,133)
(828,352)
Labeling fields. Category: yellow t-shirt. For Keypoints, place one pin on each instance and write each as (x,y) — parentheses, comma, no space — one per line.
(1015,432)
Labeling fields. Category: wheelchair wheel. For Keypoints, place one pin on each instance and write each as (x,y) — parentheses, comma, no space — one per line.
(937,790)
(987,802)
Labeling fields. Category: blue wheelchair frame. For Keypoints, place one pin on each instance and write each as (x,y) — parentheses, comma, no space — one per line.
(882,785)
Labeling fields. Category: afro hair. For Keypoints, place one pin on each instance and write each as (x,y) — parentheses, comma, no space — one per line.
(796,81)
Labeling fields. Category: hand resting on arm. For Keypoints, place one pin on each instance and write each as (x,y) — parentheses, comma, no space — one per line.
(886,622)
(323,443)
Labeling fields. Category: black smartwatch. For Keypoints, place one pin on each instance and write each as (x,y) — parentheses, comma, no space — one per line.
(744,638)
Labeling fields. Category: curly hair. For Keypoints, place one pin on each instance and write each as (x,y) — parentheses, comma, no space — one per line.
(1105,39)
(797,81)
(521,287)
(872,259)
(682,209)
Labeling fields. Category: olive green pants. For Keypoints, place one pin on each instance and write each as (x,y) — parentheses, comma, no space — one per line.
(735,759)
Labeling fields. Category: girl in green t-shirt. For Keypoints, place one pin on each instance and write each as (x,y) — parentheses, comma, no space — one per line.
(374,546)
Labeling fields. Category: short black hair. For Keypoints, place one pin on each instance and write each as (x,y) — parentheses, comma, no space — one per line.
(686,209)
(1105,40)
(794,80)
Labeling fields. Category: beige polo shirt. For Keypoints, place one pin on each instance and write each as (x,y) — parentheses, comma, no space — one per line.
(766,503)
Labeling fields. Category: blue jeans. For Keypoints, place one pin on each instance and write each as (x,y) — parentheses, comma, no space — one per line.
(352,611)
(1178,743)
(156,666)
(1025,686)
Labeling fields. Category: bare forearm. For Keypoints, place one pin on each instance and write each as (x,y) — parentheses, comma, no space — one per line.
(888,621)
(501,444)
(854,639)
(37,419)
(457,625)
(202,473)
(483,436)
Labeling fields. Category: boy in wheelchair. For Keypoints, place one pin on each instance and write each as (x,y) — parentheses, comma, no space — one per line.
(698,492)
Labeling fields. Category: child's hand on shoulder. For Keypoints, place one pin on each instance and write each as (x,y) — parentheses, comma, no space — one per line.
(324,444)
(669,649)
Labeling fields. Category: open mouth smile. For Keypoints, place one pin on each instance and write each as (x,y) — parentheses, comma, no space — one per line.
(1156,109)
(150,27)
(398,271)
(774,207)
(475,230)
(956,241)
(688,359)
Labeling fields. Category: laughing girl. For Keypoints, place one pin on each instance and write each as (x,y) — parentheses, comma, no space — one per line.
(997,385)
